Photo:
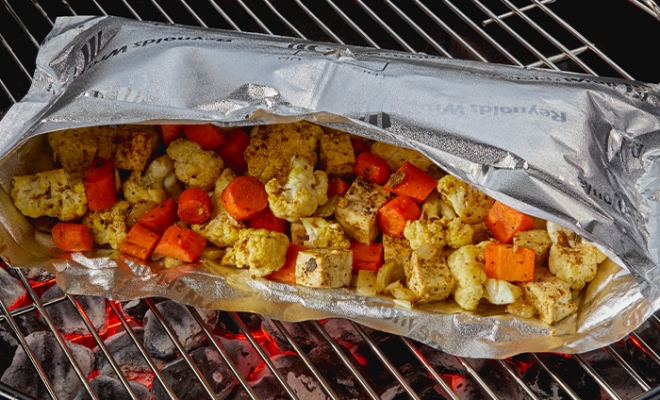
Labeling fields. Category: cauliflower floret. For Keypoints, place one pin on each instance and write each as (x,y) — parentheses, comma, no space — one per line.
(428,236)
(550,296)
(470,277)
(430,280)
(193,166)
(149,187)
(109,226)
(260,250)
(128,148)
(303,192)
(469,203)
(323,234)
(435,207)
(74,149)
(222,230)
(337,157)
(226,176)
(49,193)
(271,148)
(562,236)
(577,265)
(535,239)
(396,156)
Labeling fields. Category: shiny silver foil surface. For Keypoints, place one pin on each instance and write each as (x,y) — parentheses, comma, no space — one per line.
(575,149)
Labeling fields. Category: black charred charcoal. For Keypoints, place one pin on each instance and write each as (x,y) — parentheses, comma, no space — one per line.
(66,318)
(295,330)
(499,381)
(186,385)
(543,385)
(613,373)
(644,365)
(12,290)
(571,372)
(29,323)
(8,346)
(298,376)
(266,388)
(135,309)
(22,375)
(226,324)
(377,336)
(242,354)
(188,331)
(342,331)
(445,363)
(106,387)
(649,332)
(127,356)
(340,379)
(419,382)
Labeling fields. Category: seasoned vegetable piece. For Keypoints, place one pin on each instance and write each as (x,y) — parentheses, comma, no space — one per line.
(324,234)
(150,185)
(207,136)
(412,182)
(233,151)
(100,185)
(396,156)
(194,166)
(396,250)
(372,168)
(194,206)
(180,243)
(140,242)
(324,268)
(504,222)
(367,256)
(430,280)
(260,250)
(550,296)
(74,149)
(244,198)
(501,292)
(72,237)
(537,240)
(336,152)
(267,220)
(577,265)
(469,203)
(171,133)
(109,226)
(128,148)
(468,271)
(336,186)
(49,193)
(287,273)
(503,263)
(357,210)
(396,213)
(160,217)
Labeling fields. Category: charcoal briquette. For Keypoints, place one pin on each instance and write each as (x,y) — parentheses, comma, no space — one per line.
(106,387)
(66,317)
(12,290)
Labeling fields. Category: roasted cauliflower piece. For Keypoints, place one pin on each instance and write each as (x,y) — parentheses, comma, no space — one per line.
(470,277)
(304,191)
(336,150)
(430,280)
(469,203)
(50,193)
(149,186)
(74,149)
(260,250)
(537,240)
(356,210)
(521,308)
(221,229)
(226,176)
(550,296)
(324,234)
(324,268)
(577,265)
(273,146)
(396,250)
(109,226)
(396,156)
(429,236)
(127,148)
(193,166)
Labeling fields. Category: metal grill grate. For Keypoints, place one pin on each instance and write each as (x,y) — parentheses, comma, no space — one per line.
(536,33)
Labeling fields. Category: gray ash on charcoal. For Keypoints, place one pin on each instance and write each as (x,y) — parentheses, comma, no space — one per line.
(156,341)
(186,385)
(333,370)
(242,354)
(305,339)
(22,375)
(425,387)
(129,358)
(106,387)
(12,290)
(613,373)
(136,309)
(567,369)
(497,379)
(32,274)
(66,317)
(8,346)
(227,325)
(296,374)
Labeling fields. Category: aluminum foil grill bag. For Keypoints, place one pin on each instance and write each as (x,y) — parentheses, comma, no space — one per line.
(577,150)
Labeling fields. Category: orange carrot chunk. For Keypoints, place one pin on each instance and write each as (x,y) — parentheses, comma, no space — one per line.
(244,198)
(233,151)
(160,217)
(181,243)
(207,136)
(134,250)
(504,222)
(337,185)
(72,237)
(359,146)
(367,256)
(372,168)
(267,220)
(100,185)
(411,181)
(393,215)
(504,264)
(171,133)
(194,206)
(141,237)
(287,273)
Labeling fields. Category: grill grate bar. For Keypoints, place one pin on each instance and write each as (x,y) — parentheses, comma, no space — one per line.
(224,15)
(549,37)
(345,360)
(222,352)
(477,378)
(27,309)
(11,51)
(7,92)
(28,351)
(102,346)
(397,375)
(305,359)
(506,15)
(131,10)
(58,337)
(66,3)
(645,347)
(429,368)
(318,22)
(192,12)
(284,20)
(603,384)
(386,27)
(96,3)
(19,21)
(556,378)
(177,343)
(127,327)
(352,24)
(256,19)
(627,367)
(505,364)
(559,57)
(42,11)
(162,12)
(418,29)
(263,354)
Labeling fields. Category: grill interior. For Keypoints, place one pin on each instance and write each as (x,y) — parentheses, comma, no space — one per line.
(338,358)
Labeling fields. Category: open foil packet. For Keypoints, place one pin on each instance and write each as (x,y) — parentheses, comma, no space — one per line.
(577,150)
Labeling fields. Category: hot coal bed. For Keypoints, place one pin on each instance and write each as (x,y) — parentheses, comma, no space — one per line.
(161,349)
